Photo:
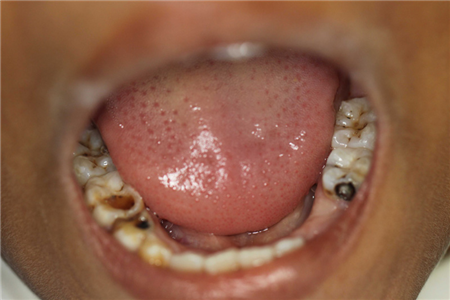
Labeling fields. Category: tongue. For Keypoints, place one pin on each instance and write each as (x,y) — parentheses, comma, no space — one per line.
(223,147)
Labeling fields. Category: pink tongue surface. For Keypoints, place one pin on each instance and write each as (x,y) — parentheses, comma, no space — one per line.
(224,147)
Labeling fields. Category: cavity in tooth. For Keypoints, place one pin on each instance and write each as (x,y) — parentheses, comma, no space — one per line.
(222,262)
(255,256)
(130,236)
(155,252)
(112,199)
(187,262)
(288,245)
(353,142)
(85,169)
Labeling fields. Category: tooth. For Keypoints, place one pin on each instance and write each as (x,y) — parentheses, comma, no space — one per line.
(187,262)
(106,163)
(341,137)
(255,256)
(95,140)
(155,252)
(100,193)
(366,139)
(81,150)
(288,245)
(362,165)
(222,262)
(345,157)
(85,169)
(331,175)
(130,236)
(106,216)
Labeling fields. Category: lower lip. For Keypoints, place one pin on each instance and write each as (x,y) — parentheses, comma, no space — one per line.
(295,275)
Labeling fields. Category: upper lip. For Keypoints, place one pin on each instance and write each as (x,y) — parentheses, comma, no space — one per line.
(294,275)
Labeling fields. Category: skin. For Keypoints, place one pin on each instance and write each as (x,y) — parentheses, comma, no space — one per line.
(398,52)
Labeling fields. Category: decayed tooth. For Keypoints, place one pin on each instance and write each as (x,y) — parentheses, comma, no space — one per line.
(187,262)
(155,252)
(112,199)
(288,245)
(222,262)
(353,142)
(130,236)
(255,256)
(85,169)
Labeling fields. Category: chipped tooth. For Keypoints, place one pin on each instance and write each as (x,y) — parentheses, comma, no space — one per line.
(255,256)
(366,138)
(222,262)
(187,262)
(85,169)
(288,245)
(155,252)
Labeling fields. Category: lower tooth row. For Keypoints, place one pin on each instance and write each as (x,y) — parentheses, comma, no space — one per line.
(118,208)
(352,149)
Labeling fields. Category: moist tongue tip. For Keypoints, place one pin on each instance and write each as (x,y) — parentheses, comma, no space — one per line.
(205,159)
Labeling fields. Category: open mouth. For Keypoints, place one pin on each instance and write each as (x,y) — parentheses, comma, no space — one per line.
(204,171)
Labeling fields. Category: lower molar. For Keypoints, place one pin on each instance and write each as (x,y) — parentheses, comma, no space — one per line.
(118,208)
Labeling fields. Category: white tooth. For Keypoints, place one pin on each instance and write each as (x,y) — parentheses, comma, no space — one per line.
(85,169)
(367,117)
(288,245)
(341,137)
(130,236)
(255,256)
(354,178)
(330,177)
(366,139)
(106,215)
(95,140)
(187,262)
(81,150)
(350,112)
(155,252)
(106,163)
(222,262)
(345,157)
(362,165)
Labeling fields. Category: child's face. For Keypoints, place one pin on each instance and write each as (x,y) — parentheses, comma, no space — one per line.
(397,51)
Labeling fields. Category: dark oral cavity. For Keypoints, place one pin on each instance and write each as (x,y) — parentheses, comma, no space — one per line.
(223,147)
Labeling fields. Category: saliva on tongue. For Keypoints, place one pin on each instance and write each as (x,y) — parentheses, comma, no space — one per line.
(224,147)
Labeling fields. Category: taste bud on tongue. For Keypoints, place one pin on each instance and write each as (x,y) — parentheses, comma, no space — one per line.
(224,147)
